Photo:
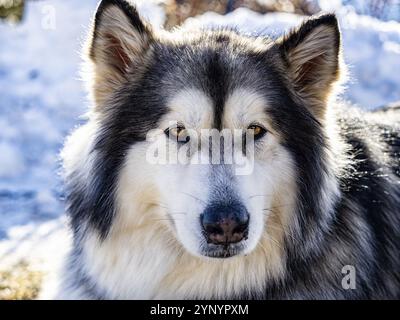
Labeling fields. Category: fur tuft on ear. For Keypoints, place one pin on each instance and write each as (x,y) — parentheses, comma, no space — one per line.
(118,43)
(311,54)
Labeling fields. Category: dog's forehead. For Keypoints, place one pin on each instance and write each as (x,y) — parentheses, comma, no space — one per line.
(214,81)
(215,68)
(192,106)
(197,109)
(244,106)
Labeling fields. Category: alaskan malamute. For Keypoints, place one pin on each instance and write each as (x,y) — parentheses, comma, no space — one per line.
(311,210)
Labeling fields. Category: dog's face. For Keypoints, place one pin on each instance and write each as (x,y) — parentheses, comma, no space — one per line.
(163,102)
(217,192)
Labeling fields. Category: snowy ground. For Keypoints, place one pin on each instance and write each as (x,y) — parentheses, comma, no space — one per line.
(41,99)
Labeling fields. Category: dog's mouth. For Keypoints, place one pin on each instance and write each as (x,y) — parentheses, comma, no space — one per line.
(222,251)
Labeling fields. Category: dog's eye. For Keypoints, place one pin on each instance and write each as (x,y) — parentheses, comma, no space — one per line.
(178,134)
(258,131)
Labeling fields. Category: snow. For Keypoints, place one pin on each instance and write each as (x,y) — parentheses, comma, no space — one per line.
(42,97)
(11,162)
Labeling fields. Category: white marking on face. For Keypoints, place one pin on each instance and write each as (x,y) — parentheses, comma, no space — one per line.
(191,107)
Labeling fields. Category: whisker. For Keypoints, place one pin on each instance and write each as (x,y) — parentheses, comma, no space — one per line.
(276,207)
(273,240)
(164,219)
(165,207)
(194,197)
(157,204)
(262,246)
(260,195)
(278,228)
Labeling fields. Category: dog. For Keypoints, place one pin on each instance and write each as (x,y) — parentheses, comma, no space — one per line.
(315,215)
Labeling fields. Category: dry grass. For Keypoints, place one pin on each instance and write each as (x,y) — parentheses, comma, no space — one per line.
(12,10)
(179,10)
(20,282)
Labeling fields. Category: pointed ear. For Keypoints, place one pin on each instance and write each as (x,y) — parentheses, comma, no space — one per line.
(118,43)
(311,54)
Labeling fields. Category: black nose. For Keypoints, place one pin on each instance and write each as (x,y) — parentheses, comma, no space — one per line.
(225,224)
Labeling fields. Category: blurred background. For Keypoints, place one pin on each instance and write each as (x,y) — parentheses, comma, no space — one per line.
(42,99)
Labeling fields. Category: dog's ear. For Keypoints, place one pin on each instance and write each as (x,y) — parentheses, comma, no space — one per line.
(118,43)
(311,54)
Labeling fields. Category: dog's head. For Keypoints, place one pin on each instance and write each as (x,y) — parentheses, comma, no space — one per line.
(163,101)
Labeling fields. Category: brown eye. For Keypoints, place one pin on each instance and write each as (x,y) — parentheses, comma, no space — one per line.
(178,133)
(258,131)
